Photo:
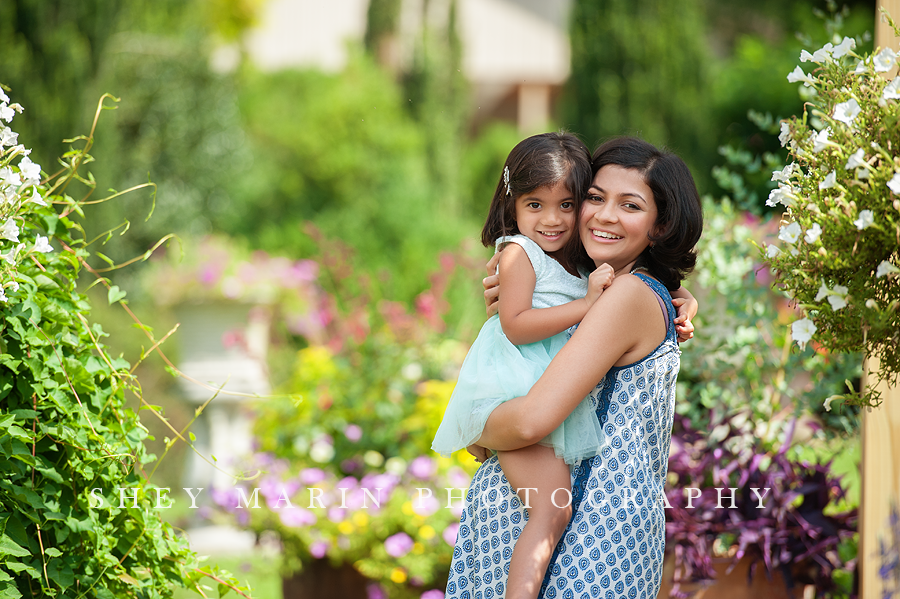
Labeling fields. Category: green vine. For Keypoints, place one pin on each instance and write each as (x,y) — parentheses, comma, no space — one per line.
(68,440)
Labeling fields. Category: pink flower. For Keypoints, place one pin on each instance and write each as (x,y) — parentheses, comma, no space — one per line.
(433,594)
(311,476)
(296,516)
(449,534)
(374,591)
(423,467)
(319,549)
(353,432)
(398,545)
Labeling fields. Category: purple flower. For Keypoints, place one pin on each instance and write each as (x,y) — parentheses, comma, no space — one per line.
(374,591)
(319,549)
(449,534)
(353,432)
(433,594)
(398,545)
(296,516)
(423,467)
(311,476)
(336,514)
(425,506)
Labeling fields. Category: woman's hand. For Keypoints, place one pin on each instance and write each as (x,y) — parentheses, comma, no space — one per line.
(491,284)
(684,329)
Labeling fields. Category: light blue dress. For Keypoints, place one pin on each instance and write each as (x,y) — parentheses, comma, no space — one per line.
(614,544)
(496,371)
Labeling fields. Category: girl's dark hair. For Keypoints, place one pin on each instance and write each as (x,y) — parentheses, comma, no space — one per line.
(539,161)
(679,214)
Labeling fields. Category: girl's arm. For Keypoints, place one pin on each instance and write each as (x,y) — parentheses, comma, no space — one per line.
(687,307)
(523,324)
(600,342)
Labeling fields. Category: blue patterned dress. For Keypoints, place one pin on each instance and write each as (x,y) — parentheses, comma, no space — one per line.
(613,546)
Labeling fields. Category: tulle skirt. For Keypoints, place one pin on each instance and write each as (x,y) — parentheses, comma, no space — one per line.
(496,371)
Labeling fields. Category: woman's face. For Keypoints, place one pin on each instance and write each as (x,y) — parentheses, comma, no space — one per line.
(617,217)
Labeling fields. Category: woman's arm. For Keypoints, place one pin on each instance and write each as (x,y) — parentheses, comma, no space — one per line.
(624,325)
(523,324)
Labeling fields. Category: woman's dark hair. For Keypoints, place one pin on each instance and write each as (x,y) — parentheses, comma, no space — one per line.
(539,161)
(679,216)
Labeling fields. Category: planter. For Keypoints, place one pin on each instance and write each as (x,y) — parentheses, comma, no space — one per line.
(733,585)
(320,579)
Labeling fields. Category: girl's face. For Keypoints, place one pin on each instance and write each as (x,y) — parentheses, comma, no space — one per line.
(617,217)
(547,217)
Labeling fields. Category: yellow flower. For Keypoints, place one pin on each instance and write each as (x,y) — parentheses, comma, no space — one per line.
(360,519)
(398,575)
(345,528)
(418,548)
(408,508)
(427,532)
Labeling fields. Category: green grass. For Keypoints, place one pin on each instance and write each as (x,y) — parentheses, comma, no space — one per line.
(258,570)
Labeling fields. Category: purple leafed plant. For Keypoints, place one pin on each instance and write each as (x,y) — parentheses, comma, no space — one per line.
(786,530)
(889,546)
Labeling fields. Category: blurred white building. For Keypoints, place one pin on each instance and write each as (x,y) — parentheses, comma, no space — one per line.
(515,52)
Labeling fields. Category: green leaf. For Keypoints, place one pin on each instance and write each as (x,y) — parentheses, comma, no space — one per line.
(115,294)
(53,552)
(9,547)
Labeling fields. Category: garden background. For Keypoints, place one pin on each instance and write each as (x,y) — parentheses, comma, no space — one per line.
(313,224)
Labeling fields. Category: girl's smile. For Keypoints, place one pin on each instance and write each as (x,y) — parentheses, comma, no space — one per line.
(547,217)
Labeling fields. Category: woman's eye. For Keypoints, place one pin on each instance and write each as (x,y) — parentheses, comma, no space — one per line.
(594,199)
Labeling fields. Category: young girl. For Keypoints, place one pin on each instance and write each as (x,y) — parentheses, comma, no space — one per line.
(534,213)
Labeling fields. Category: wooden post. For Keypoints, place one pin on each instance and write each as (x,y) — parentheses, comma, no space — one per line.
(881,426)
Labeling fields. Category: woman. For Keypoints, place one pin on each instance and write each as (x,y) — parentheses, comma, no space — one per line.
(642,217)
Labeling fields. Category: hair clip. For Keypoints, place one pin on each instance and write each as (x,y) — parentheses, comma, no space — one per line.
(506,180)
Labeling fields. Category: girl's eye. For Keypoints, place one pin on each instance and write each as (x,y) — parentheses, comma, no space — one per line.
(568,205)
(534,205)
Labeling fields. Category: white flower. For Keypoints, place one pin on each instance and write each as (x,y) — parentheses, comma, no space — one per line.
(828,400)
(8,137)
(42,245)
(805,56)
(823,292)
(10,230)
(894,183)
(892,90)
(821,55)
(866,218)
(813,233)
(821,140)
(3,96)
(9,177)
(6,113)
(845,112)
(802,331)
(790,233)
(797,75)
(30,170)
(10,255)
(829,181)
(885,268)
(784,174)
(842,49)
(781,195)
(13,285)
(857,159)
(772,251)
(838,297)
(860,68)
(884,60)
(785,136)
(3,297)
(37,198)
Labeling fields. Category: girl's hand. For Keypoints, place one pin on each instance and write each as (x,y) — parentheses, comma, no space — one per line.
(687,309)
(600,279)
(491,284)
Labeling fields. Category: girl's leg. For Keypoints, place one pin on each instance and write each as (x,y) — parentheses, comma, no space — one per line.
(536,467)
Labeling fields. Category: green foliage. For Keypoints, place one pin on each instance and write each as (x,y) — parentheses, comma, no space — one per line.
(838,259)
(67,436)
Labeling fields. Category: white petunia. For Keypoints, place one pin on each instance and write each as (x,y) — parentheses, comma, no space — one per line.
(823,292)
(6,113)
(866,219)
(894,183)
(860,68)
(785,136)
(829,181)
(885,268)
(784,174)
(10,230)
(805,56)
(856,160)
(884,60)
(9,177)
(781,195)
(802,331)
(797,75)
(846,112)
(3,96)
(842,49)
(13,285)
(823,54)
(30,171)
(790,233)
(8,137)
(3,297)
(892,90)
(37,198)
(9,256)
(838,297)
(828,400)
(821,140)
(772,251)
(42,245)
(813,233)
